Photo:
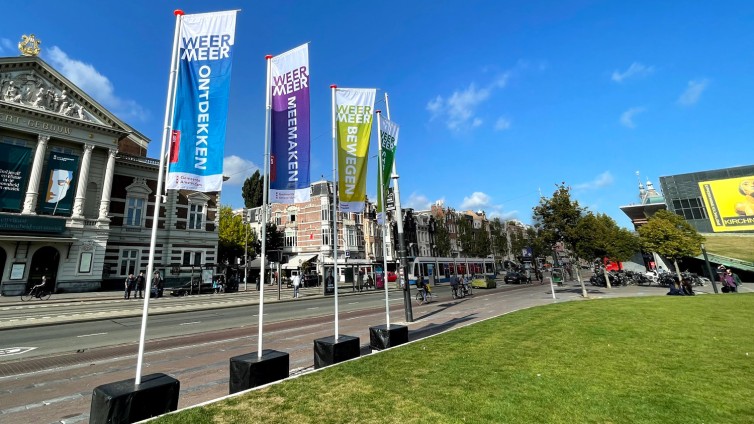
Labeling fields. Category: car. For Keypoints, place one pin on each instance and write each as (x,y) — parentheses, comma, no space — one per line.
(186,289)
(515,277)
(392,277)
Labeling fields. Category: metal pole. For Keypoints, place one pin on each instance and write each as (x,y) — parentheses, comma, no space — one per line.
(158,194)
(336,276)
(383,228)
(401,241)
(709,269)
(265,184)
(245,251)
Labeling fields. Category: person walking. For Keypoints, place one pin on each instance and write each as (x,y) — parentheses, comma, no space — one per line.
(157,283)
(296,282)
(729,282)
(130,284)
(140,286)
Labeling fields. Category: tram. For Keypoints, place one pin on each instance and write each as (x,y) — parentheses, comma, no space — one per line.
(440,270)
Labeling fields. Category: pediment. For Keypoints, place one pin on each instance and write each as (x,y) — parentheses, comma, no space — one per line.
(198,197)
(139,187)
(30,83)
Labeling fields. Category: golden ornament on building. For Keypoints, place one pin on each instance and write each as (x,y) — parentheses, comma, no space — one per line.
(29,45)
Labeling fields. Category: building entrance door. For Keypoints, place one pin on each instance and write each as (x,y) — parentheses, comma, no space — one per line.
(44,263)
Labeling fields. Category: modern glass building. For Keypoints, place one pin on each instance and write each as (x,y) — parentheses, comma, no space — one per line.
(713,201)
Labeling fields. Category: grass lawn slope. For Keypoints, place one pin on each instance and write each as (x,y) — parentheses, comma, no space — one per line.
(628,360)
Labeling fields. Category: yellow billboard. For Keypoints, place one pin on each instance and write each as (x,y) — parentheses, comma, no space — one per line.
(729,203)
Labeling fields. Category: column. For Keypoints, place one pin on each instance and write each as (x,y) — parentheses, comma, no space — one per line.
(104,204)
(78,203)
(30,201)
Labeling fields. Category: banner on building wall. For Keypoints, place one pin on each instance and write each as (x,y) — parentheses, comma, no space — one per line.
(388,144)
(729,203)
(14,174)
(61,184)
(200,110)
(354,110)
(289,161)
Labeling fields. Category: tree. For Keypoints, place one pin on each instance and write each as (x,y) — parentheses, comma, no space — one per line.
(498,237)
(252,191)
(557,217)
(474,241)
(671,236)
(599,236)
(231,236)
(442,238)
(274,243)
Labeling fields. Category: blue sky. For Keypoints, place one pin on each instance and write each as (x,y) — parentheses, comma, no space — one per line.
(496,100)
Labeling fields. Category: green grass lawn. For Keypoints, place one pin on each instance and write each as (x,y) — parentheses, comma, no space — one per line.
(739,247)
(629,360)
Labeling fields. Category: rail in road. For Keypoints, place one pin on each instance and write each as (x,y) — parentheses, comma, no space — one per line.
(57,388)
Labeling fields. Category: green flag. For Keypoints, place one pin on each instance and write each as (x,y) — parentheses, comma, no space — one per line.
(388,143)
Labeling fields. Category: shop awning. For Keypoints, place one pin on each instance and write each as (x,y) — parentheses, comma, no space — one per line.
(296,261)
(40,239)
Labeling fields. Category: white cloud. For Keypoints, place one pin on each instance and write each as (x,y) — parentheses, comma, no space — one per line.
(693,92)
(477,200)
(502,124)
(237,169)
(498,212)
(603,180)
(86,77)
(627,117)
(635,70)
(459,109)
(417,202)
(6,46)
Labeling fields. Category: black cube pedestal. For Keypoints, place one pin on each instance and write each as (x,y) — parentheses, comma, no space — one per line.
(249,370)
(328,351)
(122,402)
(381,337)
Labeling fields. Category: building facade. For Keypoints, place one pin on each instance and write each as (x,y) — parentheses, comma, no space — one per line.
(77,191)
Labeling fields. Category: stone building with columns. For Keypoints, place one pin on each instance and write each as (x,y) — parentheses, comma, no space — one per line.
(77,191)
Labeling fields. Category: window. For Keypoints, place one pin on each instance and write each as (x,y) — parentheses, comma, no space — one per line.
(192,257)
(85,263)
(690,208)
(196,217)
(292,216)
(325,213)
(129,261)
(326,236)
(277,218)
(290,237)
(351,235)
(134,211)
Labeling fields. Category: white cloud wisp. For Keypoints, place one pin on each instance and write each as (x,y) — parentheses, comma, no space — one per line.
(634,71)
(693,92)
(627,117)
(86,77)
(238,169)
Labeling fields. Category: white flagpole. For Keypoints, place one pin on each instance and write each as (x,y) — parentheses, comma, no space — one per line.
(169,109)
(265,199)
(336,276)
(384,217)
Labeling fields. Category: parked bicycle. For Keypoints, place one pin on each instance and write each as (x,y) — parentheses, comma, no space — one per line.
(38,292)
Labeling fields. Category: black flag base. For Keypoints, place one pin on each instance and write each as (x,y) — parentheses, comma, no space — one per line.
(123,402)
(381,337)
(249,370)
(328,351)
